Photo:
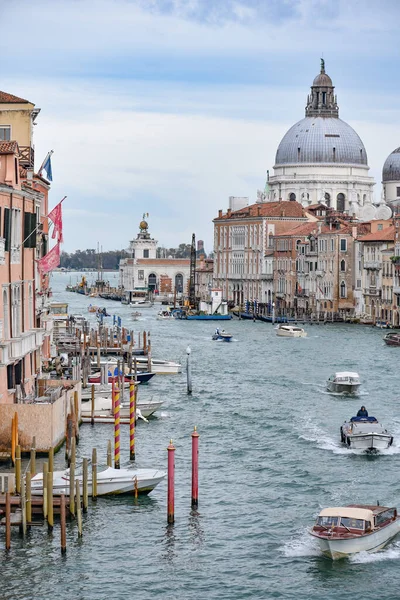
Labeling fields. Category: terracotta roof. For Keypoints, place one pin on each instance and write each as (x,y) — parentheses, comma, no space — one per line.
(9,148)
(385,235)
(282,209)
(160,262)
(301,230)
(11,99)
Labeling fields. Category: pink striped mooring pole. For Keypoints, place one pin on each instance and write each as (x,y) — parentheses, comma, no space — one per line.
(132,418)
(171,477)
(195,467)
(117,428)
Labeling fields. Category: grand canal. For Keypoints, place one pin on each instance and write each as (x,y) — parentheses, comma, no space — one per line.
(270,458)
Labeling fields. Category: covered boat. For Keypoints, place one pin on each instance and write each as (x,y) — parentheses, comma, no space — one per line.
(392,339)
(142,377)
(222,336)
(103,410)
(346,530)
(290,331)
(142,304)
(109,481)
(344,382)
(365,433)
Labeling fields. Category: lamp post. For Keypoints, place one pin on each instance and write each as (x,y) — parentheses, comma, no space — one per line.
(273,313)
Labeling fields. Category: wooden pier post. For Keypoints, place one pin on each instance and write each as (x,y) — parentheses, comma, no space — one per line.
(136,489)
(135,368)
(188,371)
(17,469)
(72,490)
(195,468)
(117,430)
(144,342)
(73,450)
(92,406)
(85,494)
(28,499)
(63,525)
(94,474)
(132,418)
(23,508)
(78,508)
(8,521)
(45,472)
(109,454)
(33,457)
(76,413)
(171,483)
(50,507)
(51,460)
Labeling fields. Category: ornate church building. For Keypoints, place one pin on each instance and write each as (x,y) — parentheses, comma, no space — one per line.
(321,159)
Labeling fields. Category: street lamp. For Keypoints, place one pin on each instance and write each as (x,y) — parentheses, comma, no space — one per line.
(273,313)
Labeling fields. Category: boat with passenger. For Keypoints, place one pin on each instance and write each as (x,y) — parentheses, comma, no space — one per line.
(392,339)
(346,530)
(222,336)
(291,331)
(165,315)
(344,382)
(365,433)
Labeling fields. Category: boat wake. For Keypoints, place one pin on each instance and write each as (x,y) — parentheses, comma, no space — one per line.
(391,552)
(301,545)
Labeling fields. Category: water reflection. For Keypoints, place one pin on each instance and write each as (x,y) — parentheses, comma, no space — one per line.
(195,528)
(169,554)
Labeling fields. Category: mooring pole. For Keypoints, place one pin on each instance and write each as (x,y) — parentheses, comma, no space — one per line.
(132,404)
(195,467)
(188,371)
(171,482)
(117,430)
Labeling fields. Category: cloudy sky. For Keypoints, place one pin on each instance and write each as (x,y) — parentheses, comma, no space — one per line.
(171,106)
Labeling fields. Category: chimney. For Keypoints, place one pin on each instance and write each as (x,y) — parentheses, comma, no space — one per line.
(220,214)
(319,226)
(354,232)
(229,212)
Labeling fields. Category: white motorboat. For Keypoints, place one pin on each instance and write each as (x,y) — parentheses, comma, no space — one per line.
(165,315)
(141,304)
(109,481)
(344,382)
(158,366)
(103,410)
(346,530)
(290,331)
(365,433)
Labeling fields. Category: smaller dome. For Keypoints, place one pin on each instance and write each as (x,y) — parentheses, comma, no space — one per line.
(143,225)
(391,168)
(322,80)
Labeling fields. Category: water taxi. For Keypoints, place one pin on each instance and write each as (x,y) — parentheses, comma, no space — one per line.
(343,382)
(365,433)
(290,331)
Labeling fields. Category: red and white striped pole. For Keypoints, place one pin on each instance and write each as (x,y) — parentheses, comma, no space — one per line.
(195,468)
(117,428)
(171,483)
(132,418)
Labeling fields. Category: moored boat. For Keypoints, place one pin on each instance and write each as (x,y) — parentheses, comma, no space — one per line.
(344,382)
(158,366)
(346,530)
(142,304)
(365,433)
(141,377)
(109,481)
(103,410)
(290,331)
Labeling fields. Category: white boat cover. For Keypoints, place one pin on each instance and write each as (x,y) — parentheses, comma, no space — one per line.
(348,512)
(347,374)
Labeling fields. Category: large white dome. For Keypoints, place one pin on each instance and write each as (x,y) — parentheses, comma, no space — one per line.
(327,140)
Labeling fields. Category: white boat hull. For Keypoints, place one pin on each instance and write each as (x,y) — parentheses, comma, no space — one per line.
(109,482)
(369,441)
(342,548)
(103,408)
(342,388)
(141,304)
(291,334)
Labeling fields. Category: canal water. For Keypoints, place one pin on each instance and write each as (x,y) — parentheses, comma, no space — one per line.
(270,458)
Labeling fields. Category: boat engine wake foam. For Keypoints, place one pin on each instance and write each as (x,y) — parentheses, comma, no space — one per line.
(391,552)
(301,545)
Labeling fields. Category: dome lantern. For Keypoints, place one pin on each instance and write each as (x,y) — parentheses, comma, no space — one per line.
(322,100)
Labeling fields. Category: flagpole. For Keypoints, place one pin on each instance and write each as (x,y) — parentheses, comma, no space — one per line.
(39,224)
(48,155)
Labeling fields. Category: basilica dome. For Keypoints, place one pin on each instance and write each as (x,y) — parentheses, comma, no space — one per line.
(320,139)
(391,168)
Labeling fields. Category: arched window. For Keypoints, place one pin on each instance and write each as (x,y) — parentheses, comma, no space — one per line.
(179,283)
(327,198)
(6,328)
(292,197)
(343,293)
(340,202)
(342,265)
(152,282)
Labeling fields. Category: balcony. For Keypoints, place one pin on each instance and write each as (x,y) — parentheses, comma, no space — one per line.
(2,251)
(372,291)
(28,342)
(302,294)
(15,256)
(319,273)
(374,265)
(267,276)
(26,157)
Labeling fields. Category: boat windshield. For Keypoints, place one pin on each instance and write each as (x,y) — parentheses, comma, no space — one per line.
(353,523)
(328,521)
(341,521)
(348,379)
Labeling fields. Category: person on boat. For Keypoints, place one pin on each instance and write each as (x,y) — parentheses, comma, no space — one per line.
(362,412)
(217,331)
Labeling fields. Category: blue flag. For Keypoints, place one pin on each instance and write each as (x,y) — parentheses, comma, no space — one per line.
(47,168)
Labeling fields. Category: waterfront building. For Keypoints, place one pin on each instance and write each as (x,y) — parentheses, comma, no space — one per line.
(321,159)
(143,272)
(25,329)
(204,278)
(242,244)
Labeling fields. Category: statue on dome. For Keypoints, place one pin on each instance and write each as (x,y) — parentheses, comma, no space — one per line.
(143,225)
(322,65)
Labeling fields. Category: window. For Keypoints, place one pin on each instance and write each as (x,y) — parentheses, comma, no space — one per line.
(327,198)
(353,523)
(342,265)
(328,521)
(398,192)
(292,197)
(343,293)
(5,133)
(141,275)
(380,226)
(343,245)
(332,245)
(358,283)
(340,202)
(145,254)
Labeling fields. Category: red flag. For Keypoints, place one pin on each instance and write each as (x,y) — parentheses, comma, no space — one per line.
(56,216)
(50,261)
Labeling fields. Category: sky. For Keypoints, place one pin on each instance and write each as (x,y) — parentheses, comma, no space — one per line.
(168,107)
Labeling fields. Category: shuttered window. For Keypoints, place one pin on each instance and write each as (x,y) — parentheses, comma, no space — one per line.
(30,230)
(7,229)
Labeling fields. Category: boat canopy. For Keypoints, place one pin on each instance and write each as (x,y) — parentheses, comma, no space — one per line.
(349,512)
(363,420)
(346,374)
